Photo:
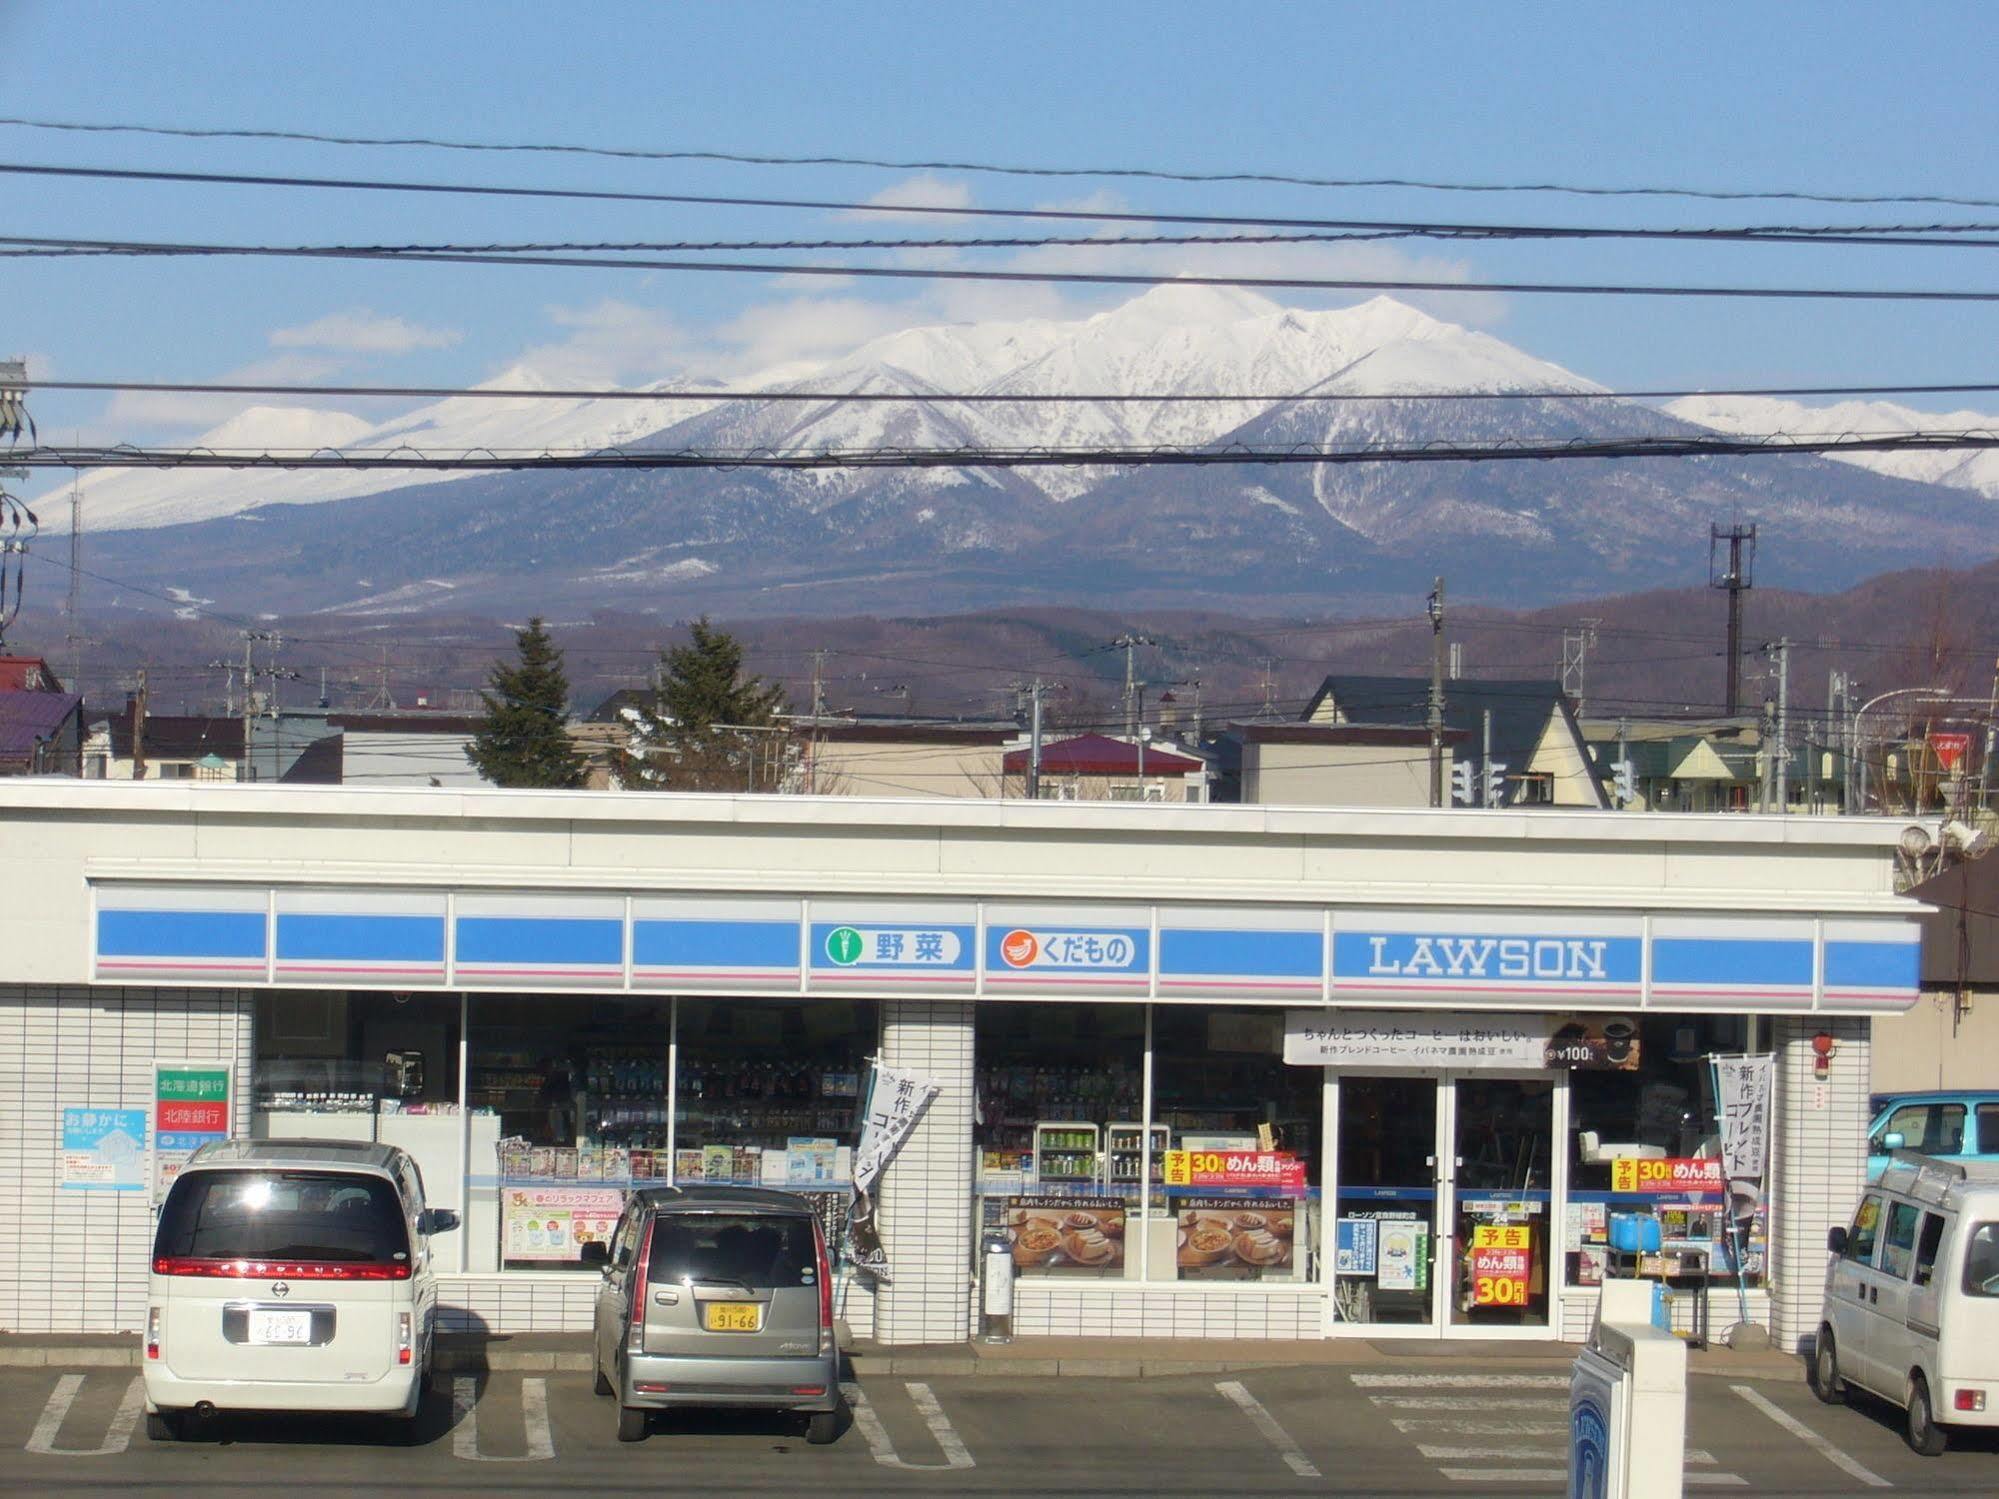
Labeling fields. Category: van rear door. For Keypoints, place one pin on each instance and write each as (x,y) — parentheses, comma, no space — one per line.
(732,1285)
(281,1276)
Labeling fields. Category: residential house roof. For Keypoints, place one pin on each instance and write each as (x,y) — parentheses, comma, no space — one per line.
(27,674)
(178,736)
(1101,755)
(30,716)
(415,722)
(320,763)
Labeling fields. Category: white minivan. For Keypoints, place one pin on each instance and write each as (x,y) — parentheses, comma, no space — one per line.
(1912,1298)
(291,1275)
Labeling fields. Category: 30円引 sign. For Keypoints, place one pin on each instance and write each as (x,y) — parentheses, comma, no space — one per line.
(1234,1168)
(1668,1174)
(1499,1275)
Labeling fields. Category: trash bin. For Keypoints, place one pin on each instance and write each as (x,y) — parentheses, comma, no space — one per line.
(996,1288)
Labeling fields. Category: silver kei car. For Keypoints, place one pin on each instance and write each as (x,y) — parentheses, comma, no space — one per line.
(717,1297)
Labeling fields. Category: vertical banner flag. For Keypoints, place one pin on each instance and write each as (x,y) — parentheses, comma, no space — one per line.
(1743,1088)
(895,1102)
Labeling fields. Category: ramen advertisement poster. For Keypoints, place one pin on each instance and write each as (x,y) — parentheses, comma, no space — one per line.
(1073,1234)
(1235,1238)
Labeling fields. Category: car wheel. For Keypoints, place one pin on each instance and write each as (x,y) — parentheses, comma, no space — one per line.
(1921,1430)
(1824,1377)
(163,1426)
(631,1423)
(822,1428)
(603,1386)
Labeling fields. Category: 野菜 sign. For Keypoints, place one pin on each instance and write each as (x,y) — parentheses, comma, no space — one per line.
(1234,1168)
(1670,1174)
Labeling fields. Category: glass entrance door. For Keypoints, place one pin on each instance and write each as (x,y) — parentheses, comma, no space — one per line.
(1501,1202)
(1385,1201)
(1447,1203)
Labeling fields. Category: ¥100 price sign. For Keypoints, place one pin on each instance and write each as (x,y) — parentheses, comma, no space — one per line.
(1678,1174)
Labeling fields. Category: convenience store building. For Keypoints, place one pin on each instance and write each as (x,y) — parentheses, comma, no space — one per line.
(1388,1073)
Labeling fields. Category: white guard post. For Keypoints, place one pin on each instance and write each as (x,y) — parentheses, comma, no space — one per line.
(997,1302)
(1628,1403)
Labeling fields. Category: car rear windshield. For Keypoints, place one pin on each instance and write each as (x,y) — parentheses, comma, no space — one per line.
(761,1251)
(1981,1261)
(283,1215)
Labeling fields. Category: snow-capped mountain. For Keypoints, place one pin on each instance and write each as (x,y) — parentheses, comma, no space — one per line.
(873,540)
(1976,470)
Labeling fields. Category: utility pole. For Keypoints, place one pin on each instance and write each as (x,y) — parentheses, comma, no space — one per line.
(246,769)
(1034,742)
(1436,610)
(1768,748)
(1269,690)
(139,729)
(1129,643)
(1838,699)
(1781,649)
(73,604)
(1735,577)
(812,734)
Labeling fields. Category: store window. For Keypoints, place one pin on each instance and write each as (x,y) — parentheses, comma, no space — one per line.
(363,1065)
(1220,1085)
(569,1100)
(1060,1140)
(1658,1105)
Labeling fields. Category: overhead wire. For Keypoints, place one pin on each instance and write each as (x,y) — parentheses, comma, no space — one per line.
(178,249)
(1008,169)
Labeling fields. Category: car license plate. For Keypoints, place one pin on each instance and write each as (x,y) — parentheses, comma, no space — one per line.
(734,1316)
(280,1327)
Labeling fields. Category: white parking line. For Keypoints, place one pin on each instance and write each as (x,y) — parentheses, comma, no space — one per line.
(1505,1475)
(1293,1455)
(1470,1402)
(1811,1438)
(1461,1381)
(1458,1427)
(869,1423)
(465,1422)
(117,1436)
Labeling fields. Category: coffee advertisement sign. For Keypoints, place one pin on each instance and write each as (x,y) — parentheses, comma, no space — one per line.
(1462,1041)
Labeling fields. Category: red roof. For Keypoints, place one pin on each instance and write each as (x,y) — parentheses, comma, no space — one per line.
(1101,755)
(27,674)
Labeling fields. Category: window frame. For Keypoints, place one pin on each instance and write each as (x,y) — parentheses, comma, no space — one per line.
(1871,1229)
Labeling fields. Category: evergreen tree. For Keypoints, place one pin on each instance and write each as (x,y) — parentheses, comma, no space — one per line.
(523,741)
(708,727)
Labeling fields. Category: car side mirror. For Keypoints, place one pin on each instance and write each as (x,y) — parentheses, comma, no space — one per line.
(1835,1240)
(439,1220)
(1893,1140)
(596,1252)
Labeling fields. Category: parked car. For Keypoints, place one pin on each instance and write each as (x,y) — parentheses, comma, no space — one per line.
(1911,1309)
(717,1296)
(291,1275)
(1950,1124)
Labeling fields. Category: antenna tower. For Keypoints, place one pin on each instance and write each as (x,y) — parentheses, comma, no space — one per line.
(1735,577)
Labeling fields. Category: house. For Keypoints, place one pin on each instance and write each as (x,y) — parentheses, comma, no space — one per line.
(1098,768)
(1532,725)
(407,747)
(1327,765)
(1950,1038)
(41,732)
(901,756)
(175,747)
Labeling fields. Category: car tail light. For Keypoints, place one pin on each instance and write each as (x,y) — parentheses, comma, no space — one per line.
(152,1332)
(825,1287)
(1968,1400)
(641,1282)
(403,1344)
(650,1387)
(808,1389)
(278,1269)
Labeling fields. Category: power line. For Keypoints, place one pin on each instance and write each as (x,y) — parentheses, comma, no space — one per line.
(1919,234)
(1157,174)
(985,398)
(404,457)
(167,249)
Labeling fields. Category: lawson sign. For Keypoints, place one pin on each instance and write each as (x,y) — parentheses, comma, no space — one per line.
(1505,957)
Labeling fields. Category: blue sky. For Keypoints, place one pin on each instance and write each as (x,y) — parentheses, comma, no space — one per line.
(1829,97)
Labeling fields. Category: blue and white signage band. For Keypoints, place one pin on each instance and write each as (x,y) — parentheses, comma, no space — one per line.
(747,944)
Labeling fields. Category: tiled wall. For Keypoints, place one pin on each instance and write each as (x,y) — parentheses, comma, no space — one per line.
(1821,1162)
(1041,1309)
(926,1195)
(76,1261)
(516,1303)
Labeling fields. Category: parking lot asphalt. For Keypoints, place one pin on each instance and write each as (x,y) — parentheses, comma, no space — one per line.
(1394,1428)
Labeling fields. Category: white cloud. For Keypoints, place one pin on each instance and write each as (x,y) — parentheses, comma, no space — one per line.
(924,191)
(362,332)
(164,409)
(609,342)
(809,328)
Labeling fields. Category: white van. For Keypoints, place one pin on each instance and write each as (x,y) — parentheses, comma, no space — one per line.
(291,1275)
(1912,1298)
